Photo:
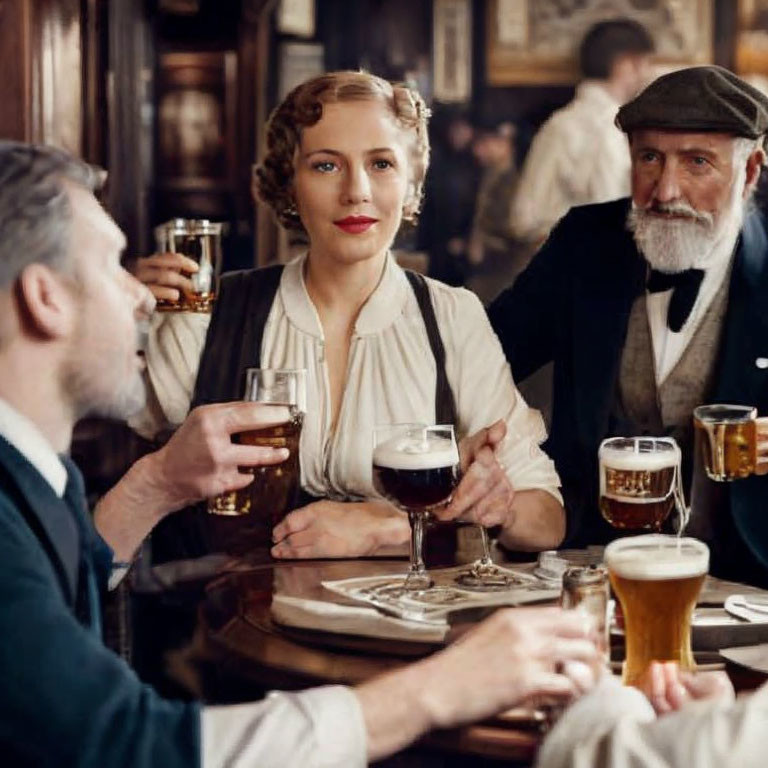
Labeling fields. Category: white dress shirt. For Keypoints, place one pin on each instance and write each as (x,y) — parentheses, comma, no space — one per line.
(32,444)
(390,379)
(318,728)
(578,156)
(615,727)
(668,345)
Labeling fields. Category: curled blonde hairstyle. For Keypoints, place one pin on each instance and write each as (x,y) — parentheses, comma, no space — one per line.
(303,107)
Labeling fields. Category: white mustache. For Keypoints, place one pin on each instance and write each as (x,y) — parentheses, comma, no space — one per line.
(679,208)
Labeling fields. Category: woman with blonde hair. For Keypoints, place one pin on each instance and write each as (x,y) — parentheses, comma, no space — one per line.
(347,154)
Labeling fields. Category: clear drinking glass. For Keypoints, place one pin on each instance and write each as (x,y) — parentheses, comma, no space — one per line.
(728,440)
(275,488)
(199,240)
(417,468)
(657,580)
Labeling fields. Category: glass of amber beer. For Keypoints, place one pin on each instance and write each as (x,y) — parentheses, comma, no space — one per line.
(640,482)
(657,580)
(199,240)
(275,489)
(417,468)
(727,439)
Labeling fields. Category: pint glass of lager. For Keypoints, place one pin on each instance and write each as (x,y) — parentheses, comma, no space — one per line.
(657,581)
(416,467)
(275,489)
(639,481)
(727,440)
(199,240)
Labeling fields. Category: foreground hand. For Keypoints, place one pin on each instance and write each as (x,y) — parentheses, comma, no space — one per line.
(201,461)
(340,529)
(516,655)
(485,493)
(668,689)
(165,274)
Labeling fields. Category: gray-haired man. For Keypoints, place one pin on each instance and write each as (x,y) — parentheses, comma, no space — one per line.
(68,314)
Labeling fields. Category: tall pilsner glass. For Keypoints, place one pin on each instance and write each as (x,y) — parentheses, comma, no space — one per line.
(416,467)
(657,579)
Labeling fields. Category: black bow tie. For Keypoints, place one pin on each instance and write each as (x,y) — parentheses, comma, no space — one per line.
(685,287)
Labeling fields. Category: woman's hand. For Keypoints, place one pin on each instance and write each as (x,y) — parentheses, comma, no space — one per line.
(342,529)
(165,274)
(668,689)
(485,494)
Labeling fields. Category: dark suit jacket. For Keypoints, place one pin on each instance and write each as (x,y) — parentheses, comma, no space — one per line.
(572,306)
(65,699)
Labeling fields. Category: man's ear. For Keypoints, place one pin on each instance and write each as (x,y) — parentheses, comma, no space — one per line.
(754,165)
(46,302)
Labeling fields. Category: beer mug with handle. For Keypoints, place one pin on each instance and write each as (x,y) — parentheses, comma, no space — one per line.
(731,440)
(640,482)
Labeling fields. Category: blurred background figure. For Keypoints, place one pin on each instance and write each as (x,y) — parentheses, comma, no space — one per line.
(495,256)
(579,156)
(445,223)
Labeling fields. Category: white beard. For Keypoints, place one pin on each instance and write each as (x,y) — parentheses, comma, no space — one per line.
(699,240)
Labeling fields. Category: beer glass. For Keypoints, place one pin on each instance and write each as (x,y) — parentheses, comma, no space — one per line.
(640,482)
(275,488)
(199,240)
(416,467)
(727,438)
(657,580)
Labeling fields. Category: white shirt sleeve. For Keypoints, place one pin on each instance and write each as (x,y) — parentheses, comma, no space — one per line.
(485,392)
(317,728)
(615,727)
(174,348)
(539,201)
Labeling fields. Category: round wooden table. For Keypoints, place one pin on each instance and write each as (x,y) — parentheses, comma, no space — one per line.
(236,652)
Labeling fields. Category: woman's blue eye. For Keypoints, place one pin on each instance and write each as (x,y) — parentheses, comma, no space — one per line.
(382,165)
(325,166)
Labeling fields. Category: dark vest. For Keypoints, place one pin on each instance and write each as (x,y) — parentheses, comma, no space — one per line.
(643,408)
(232,345)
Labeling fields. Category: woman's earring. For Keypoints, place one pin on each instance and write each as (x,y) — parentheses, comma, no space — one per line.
(292,210)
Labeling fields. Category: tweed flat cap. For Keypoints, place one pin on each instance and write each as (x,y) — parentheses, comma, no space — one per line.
(700,100)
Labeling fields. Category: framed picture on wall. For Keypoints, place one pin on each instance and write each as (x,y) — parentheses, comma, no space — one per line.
(452,50)
(752,39)
(195,120)
(535,42)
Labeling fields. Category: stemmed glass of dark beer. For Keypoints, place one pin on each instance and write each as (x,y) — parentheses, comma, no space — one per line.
(275,489)
(640,482)
(416,467)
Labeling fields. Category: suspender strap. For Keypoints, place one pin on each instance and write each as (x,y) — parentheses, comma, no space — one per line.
(445,404)
(233,342)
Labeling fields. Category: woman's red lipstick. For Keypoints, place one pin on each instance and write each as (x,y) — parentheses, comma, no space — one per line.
(355,225)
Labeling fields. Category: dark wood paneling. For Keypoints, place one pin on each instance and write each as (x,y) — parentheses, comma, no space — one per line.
(14,84)
(41,64)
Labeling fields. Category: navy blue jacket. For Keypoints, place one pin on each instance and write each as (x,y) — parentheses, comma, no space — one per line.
(572,305)
(65,699)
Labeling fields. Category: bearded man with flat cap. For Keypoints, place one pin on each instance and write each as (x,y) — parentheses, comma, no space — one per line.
(652,305)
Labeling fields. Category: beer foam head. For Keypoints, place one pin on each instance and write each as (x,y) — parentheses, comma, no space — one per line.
(657,557)
(623,455)
(416,451)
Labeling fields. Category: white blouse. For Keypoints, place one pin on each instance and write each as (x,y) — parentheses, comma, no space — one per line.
(390,379)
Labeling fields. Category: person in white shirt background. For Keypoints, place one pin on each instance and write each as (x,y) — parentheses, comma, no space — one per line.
(578,155)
